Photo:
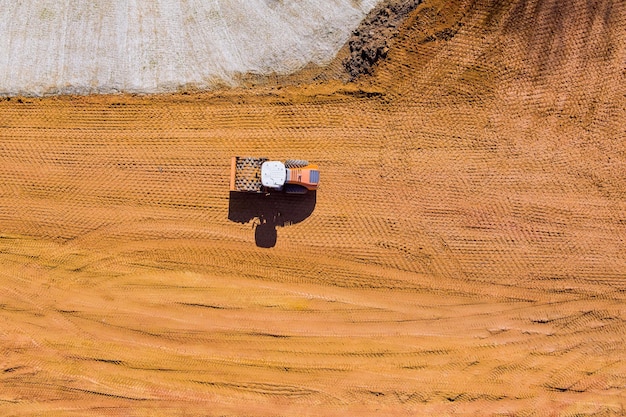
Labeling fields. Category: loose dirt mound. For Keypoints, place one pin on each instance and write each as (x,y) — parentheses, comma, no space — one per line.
(370,41)
(464,254)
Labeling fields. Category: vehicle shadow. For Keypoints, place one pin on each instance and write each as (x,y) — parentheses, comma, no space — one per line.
(270,211)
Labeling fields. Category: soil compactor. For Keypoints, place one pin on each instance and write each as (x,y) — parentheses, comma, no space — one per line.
(260,175)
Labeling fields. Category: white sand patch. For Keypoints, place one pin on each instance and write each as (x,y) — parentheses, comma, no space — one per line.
(80,46)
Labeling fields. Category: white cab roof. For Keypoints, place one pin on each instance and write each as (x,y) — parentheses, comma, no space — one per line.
(273,174)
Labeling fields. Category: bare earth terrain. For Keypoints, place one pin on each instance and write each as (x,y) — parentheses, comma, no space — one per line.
(464,255)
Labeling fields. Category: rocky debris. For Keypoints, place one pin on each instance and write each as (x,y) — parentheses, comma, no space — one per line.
(370,41)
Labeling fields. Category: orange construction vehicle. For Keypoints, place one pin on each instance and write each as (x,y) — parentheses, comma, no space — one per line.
(260,175)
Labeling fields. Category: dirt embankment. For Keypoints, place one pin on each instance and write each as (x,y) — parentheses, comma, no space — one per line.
(370,42)
(464,254)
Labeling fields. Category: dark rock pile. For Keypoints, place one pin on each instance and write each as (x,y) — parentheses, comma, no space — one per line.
(370,41)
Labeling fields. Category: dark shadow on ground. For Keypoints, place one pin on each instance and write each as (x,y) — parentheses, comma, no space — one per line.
(270,211)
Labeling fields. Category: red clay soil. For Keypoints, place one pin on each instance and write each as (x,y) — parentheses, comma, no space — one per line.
(464,255)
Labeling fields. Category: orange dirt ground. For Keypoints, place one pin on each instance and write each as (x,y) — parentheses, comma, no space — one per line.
(464,255)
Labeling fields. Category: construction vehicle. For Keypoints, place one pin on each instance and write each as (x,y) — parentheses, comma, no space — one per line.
(260,175)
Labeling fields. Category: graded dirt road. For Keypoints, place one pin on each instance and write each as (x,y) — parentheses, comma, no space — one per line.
(464,255)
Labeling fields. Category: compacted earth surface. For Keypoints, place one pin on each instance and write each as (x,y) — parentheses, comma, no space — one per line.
(464,254)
